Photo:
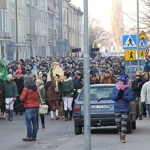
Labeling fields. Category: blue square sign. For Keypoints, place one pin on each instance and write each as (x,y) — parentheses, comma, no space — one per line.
(142,44)
(129,42)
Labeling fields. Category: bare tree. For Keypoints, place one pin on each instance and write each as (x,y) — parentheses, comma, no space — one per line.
(117,26)
(145,15)
(96,32)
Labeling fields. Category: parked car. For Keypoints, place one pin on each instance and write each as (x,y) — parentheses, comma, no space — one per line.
(134,69)
(101,109)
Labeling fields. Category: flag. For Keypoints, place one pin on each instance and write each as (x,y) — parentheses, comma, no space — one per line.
(5,59)
(34,71)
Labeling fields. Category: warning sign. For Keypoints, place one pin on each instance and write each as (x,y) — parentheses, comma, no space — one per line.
(143,35)
(142,53)
(130,55)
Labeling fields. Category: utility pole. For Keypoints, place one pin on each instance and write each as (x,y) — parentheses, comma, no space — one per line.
(86,71)
(138,34)
(61,23)
(16,8)
(0,28)
(31,54)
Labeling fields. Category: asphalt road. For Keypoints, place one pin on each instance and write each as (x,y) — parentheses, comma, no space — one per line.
(55,133)
(59,135)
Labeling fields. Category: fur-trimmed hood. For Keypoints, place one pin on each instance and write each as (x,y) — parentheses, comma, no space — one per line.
(68,79)
(29,83)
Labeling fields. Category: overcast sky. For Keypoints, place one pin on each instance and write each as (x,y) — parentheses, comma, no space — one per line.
(101,10)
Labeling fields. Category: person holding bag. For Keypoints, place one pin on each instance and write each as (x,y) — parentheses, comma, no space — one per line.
(122,95)
(29,97)
(41,98)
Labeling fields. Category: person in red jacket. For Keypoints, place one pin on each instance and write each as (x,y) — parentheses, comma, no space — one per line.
(29,97)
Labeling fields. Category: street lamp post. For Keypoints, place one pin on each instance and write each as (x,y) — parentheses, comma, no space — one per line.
(16,13)
(86,70)
(31,54)
(138,33)
(0,27)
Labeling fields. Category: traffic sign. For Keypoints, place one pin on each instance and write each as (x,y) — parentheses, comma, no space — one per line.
(129,42)
(130,55)
(143,35)
(142,53)
(142,44)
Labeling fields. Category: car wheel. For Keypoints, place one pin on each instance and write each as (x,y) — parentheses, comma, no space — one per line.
(134,125)
(129,127)
(77,129)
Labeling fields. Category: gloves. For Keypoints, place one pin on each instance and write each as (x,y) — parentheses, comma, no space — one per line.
(120,94)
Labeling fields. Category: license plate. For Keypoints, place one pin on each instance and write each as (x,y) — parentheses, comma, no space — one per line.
(100,107)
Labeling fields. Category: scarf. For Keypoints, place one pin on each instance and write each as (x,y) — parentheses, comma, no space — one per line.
(121,87)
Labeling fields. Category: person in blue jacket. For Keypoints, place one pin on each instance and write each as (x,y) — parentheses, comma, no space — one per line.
(122,95)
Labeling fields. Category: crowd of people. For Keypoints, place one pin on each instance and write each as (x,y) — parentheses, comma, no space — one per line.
(23,80)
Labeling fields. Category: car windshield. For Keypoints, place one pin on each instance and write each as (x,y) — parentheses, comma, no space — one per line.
(98,93)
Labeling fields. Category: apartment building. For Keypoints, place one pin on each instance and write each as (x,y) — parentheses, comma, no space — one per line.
(32,28)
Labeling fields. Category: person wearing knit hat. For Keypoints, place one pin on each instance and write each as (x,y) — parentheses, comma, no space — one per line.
(10,95)
(18,72)
(137,84)
(18,105)
(122,95)
(123,79)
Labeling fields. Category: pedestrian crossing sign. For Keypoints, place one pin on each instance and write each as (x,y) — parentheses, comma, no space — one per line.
(142,44)
(142,53)
(130,55)
(129,42)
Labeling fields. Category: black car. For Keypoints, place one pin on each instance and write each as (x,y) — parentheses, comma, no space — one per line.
(101,109)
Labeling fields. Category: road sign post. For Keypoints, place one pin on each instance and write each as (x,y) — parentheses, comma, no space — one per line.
(86,71)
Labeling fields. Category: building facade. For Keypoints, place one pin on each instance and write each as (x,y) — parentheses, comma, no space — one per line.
(32,28)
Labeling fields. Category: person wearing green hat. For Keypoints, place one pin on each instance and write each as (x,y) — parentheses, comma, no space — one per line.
(3,70)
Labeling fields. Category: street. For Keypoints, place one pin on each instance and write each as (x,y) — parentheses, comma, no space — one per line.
(55,133)
(59,135)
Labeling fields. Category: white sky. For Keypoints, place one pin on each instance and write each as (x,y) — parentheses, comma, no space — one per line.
(101,9)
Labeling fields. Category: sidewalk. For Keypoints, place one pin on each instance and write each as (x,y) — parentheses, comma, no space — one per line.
(138,140)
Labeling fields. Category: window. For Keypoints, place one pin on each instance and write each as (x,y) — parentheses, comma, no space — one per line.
(2,20)
(28,26)
(6,24)
(13,26)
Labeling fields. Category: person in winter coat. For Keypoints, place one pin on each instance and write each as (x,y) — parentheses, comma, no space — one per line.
(67,88)
(145,96)
(107,78)
(29,97)
(77,85)
(3,70)
(136,88)
(42,94)
(122,95)
(10,95)
(18,105)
